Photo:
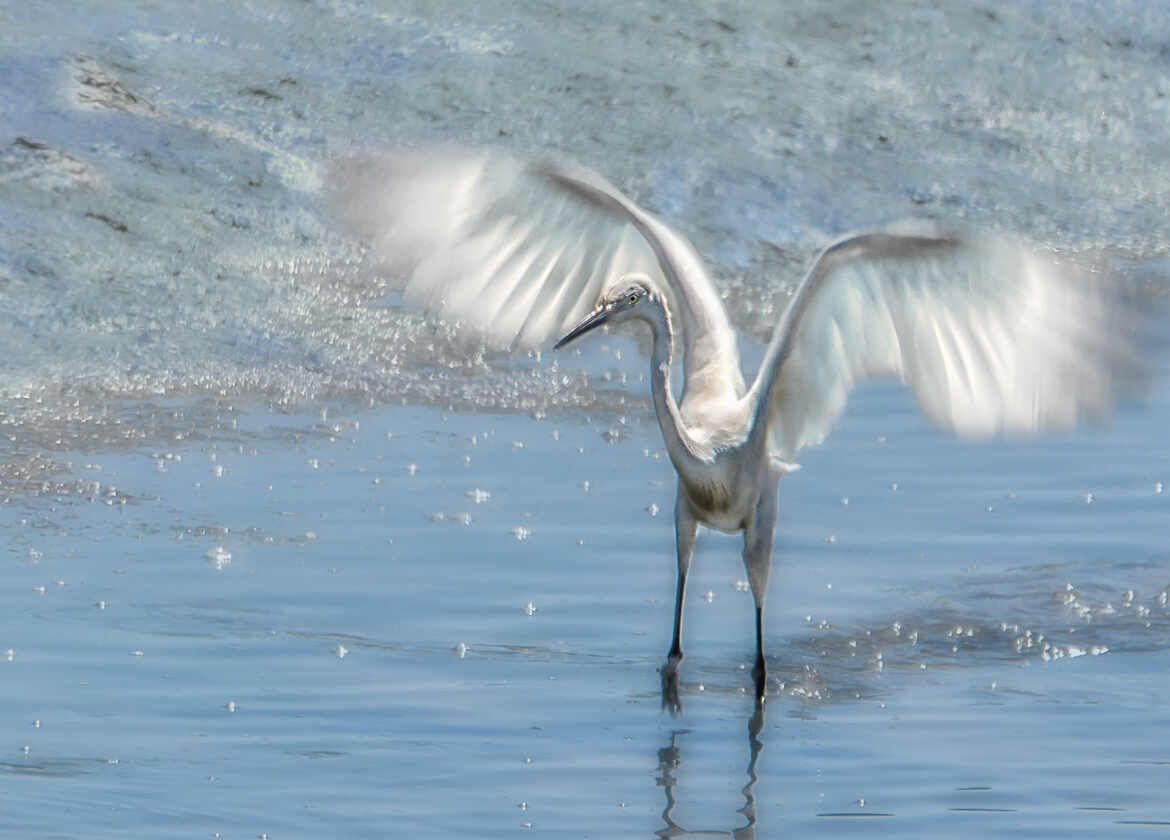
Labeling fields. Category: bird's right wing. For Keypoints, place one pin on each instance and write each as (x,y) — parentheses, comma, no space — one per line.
(519,252)
(486,240)
(991,337)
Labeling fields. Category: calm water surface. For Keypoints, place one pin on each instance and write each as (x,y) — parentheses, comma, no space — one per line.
(287,560)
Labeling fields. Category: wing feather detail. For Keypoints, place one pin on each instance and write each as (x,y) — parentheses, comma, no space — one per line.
(991,336)
(520,252)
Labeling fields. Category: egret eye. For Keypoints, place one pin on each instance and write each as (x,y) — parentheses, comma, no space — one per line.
(632,299)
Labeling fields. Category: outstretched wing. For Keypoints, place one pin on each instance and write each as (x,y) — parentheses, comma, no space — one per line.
(486,241)
(521,251)
(991,337)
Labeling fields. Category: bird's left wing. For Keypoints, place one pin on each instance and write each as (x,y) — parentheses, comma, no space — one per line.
(499,245)
(991,336)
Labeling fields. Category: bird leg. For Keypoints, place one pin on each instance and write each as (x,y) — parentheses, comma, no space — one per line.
(760,669)
(757,559)
(685,528)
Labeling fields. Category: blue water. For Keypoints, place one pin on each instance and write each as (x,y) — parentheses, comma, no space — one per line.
(286,560)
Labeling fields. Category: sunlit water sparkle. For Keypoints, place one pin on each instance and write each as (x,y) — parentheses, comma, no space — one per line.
(289,559)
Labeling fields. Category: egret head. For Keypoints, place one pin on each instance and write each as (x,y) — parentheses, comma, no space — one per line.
(627,298)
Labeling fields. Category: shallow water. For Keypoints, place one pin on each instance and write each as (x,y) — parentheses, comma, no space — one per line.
(285,562)
(319,639)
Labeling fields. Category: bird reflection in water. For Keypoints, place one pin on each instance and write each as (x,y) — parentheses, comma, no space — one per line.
(670,758)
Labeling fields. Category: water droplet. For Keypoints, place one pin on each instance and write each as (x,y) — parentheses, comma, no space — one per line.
(894,487)
(411,469)
(218,558)
(478,495)
(710,596)
(1158,487)
(521,533)
(340,651)
(652,509)
(612,435)
(461,650)
(844,500)
(9,654)
(137,653)
(530,609)
(230,705)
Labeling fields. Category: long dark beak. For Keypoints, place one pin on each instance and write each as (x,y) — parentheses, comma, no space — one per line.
(594,319)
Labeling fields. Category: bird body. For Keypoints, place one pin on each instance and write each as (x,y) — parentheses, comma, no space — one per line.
(992,337)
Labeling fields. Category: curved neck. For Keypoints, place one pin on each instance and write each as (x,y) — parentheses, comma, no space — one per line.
(678,441)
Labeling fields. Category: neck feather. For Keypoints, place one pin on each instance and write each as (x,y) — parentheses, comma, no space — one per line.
(674,433)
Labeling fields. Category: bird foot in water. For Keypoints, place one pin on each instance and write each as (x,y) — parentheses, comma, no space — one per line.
(670,690)
(760,680)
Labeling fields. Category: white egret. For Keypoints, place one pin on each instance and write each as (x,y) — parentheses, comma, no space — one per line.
(991,337)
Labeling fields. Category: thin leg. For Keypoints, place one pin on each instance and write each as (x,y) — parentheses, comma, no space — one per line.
(757,559)
(760,669)
(685,528)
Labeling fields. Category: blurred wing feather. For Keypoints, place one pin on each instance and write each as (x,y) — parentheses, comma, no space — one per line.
(992,337)
(520,252)
(488,241)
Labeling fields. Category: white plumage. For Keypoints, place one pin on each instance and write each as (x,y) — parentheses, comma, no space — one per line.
(992,336)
